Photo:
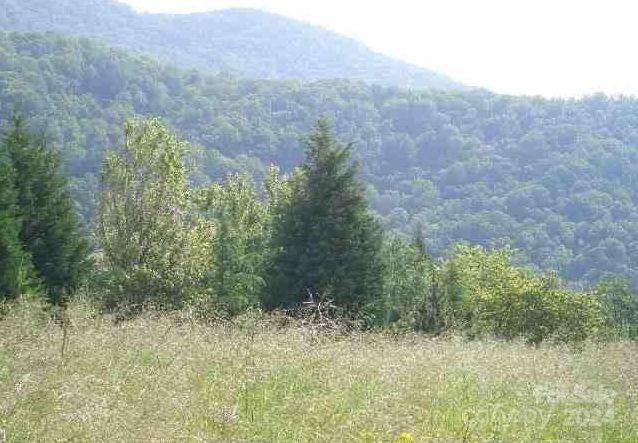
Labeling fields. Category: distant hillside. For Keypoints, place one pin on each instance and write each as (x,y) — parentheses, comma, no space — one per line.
(557,179)
(243,42)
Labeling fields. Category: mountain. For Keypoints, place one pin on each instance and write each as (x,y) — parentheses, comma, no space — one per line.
(248,43)
(555,178)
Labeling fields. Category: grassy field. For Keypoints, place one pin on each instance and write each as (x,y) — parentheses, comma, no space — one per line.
(165,378)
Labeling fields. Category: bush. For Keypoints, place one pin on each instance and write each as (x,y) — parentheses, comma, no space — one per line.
(620,308)
(497,298)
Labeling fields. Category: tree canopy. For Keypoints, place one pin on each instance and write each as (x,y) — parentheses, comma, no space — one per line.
(244,42)
(552,178)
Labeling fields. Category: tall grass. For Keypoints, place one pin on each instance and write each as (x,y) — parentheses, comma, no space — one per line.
(166,377)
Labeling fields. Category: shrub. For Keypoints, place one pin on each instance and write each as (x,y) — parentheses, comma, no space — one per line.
(620,308)
(500,299)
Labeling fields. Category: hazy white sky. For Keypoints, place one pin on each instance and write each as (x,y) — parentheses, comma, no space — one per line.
(547,47)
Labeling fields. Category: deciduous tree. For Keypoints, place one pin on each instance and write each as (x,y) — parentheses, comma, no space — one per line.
(153,249)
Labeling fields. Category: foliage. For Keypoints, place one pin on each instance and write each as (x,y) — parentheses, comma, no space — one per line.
(327,244)
(405,282)
(480,293)
(554,179)
(313,234)
(500,299)
(550,177)
(418,292)
(16,269)
(245,42)
(152,248)
(238,245)
(620,305)
(49,228)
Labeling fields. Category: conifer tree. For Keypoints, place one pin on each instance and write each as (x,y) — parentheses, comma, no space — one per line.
(327,244)
(50,232)
(15,264)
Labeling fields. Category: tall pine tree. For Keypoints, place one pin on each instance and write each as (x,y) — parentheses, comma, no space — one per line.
(50,232)
(327,244)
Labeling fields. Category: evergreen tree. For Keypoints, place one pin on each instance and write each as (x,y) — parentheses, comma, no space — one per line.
(50,232)
(326,244)
(15,264)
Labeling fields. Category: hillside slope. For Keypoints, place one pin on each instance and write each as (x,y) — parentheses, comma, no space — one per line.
(555,178)
(243,42)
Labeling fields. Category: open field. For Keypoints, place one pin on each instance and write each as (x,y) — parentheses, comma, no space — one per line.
(159,378)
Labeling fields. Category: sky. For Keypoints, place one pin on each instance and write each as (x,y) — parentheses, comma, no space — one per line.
(533,47)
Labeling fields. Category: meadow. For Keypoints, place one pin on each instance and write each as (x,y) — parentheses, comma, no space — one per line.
(168,377)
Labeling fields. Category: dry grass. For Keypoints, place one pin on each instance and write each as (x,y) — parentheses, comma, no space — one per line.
(158,379)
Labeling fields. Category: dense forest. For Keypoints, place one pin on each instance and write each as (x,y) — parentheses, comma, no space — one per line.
(287,237)
(248,43)
(221,251)
(554,179)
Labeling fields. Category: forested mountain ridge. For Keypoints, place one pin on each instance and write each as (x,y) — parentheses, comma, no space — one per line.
(244,42)
(554,178)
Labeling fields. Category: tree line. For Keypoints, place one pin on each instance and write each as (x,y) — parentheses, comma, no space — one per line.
(553,178)
(231,246)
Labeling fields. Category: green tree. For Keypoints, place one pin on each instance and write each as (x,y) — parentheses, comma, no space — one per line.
(50,231)
(238,244)
(326,244)
(15,265)
(153,249)
(406,282)
(420,292)
(555,179)
(620,306)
